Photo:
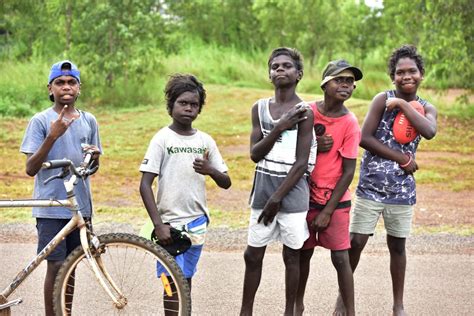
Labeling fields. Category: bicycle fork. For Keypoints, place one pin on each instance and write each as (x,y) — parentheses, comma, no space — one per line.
(100,272)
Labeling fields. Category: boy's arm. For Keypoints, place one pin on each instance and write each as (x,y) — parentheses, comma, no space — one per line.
(162,231)
(203,166)
(424,124)
(222,179)
(260,146)
(58,128)
(372,144)
(255,136)
(305,137)
(322,220)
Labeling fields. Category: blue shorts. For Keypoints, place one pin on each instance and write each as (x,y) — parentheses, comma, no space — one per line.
(188,261)
(47,229)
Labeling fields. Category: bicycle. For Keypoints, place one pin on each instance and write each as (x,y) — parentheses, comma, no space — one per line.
(109,274)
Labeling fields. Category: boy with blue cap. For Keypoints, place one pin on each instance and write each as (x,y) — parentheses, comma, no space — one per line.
(61,131)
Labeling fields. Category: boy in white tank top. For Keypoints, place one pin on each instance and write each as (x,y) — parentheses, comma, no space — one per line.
(281,141)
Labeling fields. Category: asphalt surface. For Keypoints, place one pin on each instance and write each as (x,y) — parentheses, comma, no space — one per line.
(439,279)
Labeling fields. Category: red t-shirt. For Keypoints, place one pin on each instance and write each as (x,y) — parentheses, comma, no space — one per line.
(345,132)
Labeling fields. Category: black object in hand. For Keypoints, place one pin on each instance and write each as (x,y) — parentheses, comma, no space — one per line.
(319,129)
(181,242)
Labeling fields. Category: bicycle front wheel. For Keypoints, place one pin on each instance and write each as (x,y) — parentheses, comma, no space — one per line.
(147,278)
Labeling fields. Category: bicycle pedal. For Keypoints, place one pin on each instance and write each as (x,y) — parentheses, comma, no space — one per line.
(11,303)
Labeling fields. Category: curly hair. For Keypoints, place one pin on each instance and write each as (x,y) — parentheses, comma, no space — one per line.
(293,53)
(181,83)
(406,51)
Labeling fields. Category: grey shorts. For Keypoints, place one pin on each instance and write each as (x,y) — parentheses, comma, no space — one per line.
(365,215)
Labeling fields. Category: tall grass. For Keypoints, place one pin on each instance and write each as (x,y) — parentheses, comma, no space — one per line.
(23,84)
(23,88)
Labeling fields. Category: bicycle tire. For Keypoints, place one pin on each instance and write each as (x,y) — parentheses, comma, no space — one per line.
(131,262)
(5,311)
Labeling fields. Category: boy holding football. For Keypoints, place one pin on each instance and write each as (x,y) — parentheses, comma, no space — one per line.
(386,183)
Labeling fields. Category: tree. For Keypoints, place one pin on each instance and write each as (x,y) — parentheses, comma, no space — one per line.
(311,26)
(222,22)
(442,31)
(125,40)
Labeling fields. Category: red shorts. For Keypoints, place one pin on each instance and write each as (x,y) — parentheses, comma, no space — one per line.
(335,236)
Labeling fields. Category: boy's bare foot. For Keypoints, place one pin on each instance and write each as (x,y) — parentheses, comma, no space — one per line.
(339,308)
(399,311)
(299,309)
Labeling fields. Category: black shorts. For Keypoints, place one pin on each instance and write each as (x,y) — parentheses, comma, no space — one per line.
(48,228)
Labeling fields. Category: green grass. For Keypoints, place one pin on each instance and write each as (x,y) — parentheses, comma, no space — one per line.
(16,215)
(461,230)
(126,132)
(232,220)
(23,84)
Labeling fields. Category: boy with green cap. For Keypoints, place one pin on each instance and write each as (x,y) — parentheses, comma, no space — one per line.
(330,199)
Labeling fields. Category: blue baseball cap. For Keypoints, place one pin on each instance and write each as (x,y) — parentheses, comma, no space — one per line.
(57,71)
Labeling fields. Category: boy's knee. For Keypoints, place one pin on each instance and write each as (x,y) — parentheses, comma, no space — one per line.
(291,256)
(54,266)
(396,245)
(358,242)
(253,257)
(340,258)
(306,255)
(398,250)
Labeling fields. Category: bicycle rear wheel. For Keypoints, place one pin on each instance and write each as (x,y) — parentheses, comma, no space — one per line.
(131,262)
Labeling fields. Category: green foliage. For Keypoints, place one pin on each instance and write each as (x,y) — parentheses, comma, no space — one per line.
(220,65)
(306,26)
(443,32)
(23,89)
(126,49)
(223,22)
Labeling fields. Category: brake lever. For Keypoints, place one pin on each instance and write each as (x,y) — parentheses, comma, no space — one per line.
(61,175)
(91,171)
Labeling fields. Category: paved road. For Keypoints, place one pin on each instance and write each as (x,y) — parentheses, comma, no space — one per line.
(437,284)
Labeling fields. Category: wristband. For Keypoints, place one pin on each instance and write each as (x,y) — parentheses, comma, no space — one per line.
(408,162)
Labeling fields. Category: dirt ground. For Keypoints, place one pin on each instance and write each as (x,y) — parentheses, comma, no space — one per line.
(435,207)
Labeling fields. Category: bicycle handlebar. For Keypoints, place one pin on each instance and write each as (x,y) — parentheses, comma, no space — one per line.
(83,171)
(54,164)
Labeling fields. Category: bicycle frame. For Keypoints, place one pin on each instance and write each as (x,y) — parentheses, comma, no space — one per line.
(77,221)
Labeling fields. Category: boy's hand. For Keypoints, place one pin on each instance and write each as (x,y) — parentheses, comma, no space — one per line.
(163,234)
(92,148)
(59,127)
(410,166)
(202,165)
(325,143)
(292,117)
(321,221)
(269,212)
(393,103)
